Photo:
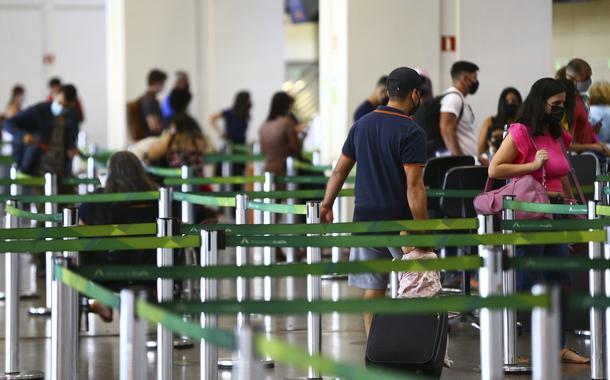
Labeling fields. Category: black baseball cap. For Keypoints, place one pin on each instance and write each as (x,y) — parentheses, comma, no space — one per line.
(404,79)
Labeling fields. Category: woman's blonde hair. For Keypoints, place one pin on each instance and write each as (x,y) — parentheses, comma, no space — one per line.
(599,93)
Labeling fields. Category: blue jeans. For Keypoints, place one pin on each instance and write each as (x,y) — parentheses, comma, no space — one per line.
(527,279)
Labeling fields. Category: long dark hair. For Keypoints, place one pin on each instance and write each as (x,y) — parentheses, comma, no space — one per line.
(532,112)
(126,174)
(17,90)
(242,105)
(280,105)
(501,117)
(570,102)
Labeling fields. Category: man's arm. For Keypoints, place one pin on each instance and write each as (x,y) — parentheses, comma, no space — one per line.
(22,125)
(335,183)
(416,191)
(448,126)
(154,123)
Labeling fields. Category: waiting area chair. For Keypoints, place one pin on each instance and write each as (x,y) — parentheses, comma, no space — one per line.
(434,176)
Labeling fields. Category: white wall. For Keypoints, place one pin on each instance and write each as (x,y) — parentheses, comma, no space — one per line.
(73,31)
(510,41)
(301,41)
(583,30)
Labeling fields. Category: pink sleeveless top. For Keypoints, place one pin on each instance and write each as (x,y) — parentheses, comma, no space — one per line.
(557,165)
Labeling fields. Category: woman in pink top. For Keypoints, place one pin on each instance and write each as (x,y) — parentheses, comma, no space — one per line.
(536,146)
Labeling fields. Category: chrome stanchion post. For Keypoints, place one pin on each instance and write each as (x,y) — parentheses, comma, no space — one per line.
(291,171)
(64,316)
(91,169)
(247,363)
(546,326)
(226,168)
(11,305)
(132,339)
(165,257)
(509,316)
(336,251)
(209,292)
(596,315)
(490,280)
(607,285)
(50,188)
(598,194)
(394,284)
(269,252)
(188,217)
(314,290)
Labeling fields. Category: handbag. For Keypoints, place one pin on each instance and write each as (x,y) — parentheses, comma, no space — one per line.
(525,189)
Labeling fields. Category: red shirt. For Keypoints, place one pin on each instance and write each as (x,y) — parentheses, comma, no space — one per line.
(582,130)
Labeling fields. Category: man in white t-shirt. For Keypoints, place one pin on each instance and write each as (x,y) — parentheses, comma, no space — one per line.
(457,118)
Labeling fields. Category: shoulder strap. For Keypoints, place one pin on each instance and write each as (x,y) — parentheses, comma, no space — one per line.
(461,98)
(536,148)
(572,174)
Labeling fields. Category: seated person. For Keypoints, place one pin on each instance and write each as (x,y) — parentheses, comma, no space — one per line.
(125,174)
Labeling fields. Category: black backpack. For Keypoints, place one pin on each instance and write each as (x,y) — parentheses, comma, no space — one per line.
(428,116)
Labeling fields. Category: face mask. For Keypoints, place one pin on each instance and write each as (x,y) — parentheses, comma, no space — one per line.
(56,108)
(583,87)
(510,109)
(555,116)
(496,143)
(385,100)
(474,86)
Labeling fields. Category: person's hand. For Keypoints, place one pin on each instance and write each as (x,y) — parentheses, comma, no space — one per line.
(542,156)
(605,150)
(28,139)
(326,214)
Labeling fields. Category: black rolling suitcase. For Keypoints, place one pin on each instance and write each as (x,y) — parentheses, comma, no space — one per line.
(414,343)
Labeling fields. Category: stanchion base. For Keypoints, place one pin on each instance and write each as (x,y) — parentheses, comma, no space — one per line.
(179,344)
(22,375)
(227,363)
(334,276)
(39,312)
(517,368)
(582,333)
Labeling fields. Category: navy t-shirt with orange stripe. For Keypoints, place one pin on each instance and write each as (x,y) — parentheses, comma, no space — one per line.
(382,143)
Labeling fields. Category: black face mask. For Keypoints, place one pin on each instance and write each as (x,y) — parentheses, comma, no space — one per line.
(496,143)
(510,109)
(555,116)
(385,100)
(474,86)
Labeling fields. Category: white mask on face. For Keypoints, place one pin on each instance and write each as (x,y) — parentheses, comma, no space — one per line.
(56,108)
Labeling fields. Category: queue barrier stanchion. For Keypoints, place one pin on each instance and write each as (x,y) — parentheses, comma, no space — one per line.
(314,290)
(226,169)
(11,308)
(64,315)
(269,218)
(595,315)
(598,194)
(209,292)
(132,338)
(546,329)
(509,322)
(247,363)
(165,287)
(188,217)
(91,167)
(291,170)
(607,311)
(335,252)
(257,215)
(50,188)
(490,284)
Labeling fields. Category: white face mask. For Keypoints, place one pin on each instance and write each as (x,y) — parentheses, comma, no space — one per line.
(56,108)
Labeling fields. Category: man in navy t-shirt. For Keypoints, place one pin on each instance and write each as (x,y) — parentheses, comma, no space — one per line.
(390,149)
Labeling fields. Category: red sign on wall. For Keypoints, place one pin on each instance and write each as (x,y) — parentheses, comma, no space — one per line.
(447,43)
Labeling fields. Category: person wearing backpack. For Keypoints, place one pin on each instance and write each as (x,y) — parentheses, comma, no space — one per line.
(144,117)
(456,120)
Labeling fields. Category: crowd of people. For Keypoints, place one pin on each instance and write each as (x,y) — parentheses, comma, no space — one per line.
(396,130)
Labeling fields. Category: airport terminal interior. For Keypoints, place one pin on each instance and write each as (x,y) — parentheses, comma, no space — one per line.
(305,189)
